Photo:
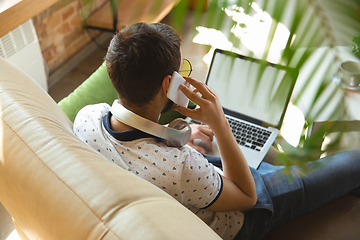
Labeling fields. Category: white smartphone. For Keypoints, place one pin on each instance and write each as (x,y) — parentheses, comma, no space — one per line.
(174,93)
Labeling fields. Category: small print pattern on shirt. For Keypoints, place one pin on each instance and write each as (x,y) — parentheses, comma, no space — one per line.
(181,172)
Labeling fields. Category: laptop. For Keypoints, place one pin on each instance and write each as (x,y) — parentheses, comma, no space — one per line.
(254,95)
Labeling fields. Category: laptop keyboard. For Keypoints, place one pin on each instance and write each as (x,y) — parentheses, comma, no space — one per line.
(248,135)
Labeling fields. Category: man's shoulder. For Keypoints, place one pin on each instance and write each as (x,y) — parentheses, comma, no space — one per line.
(92,111)
(90,116)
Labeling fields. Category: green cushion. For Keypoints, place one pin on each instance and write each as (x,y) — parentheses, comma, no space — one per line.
(98,89)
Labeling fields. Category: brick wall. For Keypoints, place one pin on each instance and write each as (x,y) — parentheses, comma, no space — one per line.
(60,31)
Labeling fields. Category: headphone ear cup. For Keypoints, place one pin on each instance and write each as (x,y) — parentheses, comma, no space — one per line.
(179,124)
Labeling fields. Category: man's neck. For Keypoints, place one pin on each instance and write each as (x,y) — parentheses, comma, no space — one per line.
(118,126)
(148,113)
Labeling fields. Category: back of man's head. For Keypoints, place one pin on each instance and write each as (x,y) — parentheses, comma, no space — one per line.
(138,59)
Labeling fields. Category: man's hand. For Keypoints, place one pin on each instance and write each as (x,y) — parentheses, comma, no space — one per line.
(210,110)
(202,132)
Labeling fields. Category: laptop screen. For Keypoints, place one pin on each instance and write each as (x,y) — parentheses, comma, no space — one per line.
(254,88)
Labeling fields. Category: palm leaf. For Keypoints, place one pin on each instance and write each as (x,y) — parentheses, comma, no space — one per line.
(312,31)
(312,25)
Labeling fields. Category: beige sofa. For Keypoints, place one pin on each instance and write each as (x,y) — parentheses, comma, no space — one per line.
(55,187)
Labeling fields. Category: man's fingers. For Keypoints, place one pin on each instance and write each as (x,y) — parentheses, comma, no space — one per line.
(206,139)
(197,84)
(197,148)
(191,94)
(185,111)
(207,131)
(200,86)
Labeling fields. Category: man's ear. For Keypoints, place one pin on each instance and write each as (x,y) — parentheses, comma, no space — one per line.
(166,84)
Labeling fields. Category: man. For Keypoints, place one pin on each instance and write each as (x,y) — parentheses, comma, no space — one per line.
(140,61)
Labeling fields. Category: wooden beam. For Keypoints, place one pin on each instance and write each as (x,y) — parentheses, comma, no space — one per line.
(14,13)
(131,11)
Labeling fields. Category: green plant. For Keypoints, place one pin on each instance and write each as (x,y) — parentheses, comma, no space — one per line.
(316,29)
(313,31)
(356,44)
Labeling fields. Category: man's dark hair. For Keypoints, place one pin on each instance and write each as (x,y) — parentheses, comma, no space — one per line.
(138,59)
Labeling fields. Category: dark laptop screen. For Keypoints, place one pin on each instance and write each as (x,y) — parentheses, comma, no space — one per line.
(251,87)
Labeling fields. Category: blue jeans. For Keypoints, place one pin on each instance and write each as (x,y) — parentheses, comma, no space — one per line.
(282,198)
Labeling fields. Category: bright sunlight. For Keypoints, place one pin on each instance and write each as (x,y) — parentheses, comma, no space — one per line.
(252,31)
(13,236)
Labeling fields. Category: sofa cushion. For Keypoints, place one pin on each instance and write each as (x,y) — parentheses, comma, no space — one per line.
(96,89)
(56,187)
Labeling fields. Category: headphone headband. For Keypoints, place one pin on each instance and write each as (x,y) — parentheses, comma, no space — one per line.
(177,137)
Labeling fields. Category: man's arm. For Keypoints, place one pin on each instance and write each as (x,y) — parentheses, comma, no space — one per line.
(239,192)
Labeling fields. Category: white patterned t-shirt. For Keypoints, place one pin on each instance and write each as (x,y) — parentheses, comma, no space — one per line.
(181,172)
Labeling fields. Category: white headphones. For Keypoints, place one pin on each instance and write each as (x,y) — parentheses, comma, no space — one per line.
(177,134)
